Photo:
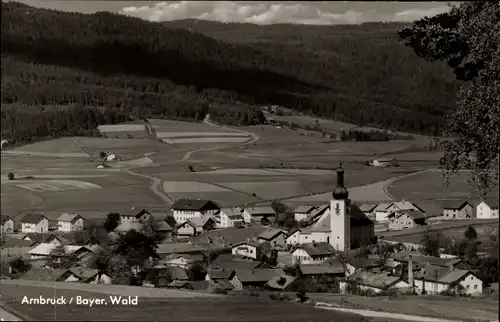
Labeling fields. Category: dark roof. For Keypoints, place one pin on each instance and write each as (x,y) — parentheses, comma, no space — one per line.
(32,218)
(423,260)
(3,219)
(358,218)
(177,273)
(367,207)
(141,213)
(230,262)
(441,274)
(195,205)
(413,214)
(46,237)
(221,274)
(43,274)
(376,280)
(455,204)
(318,249)
(162,225)
(258,275)
(332,266)
(364,262)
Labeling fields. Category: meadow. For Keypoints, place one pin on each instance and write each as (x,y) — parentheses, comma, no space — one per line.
(134,130)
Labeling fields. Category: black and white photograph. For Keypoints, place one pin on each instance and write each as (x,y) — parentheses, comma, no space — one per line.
(249,161)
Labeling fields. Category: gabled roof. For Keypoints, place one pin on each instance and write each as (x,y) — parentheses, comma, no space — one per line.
(162,226)
(304,209)
(82,272)
(177,273)
(233,213)
(264,210)
(250,243)
(292,231)
(142,213)
(492,203)
(4,219)
(179,248)
(376,280)
(258,275)
(442,274)
(332,266)
(363,262)
(195,205)
(216,274)
(47,249)
(46,237)
(32,218)
(273,282)
(382,206)
(405,205)
(43,274)
(455,204)
(270,234)
(69,217)
(317,249)
(367,207)
(231,262)
(423,260)
(413,214)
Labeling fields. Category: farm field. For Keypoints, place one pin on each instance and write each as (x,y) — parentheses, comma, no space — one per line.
(171,309)
(223,198)
(481,309)
(430,186)
(124,131)
(270,135)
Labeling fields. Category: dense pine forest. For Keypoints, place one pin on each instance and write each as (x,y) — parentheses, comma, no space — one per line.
(65,73)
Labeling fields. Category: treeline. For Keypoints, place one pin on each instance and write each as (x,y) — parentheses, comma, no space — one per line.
(372,135)
(147,69)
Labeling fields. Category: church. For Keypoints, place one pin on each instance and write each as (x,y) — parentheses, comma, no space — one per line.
(350,228)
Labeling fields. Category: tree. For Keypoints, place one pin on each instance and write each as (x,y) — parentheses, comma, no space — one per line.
(11,176)
(196,272)
(60,258)
(102,154)
(281,281)
(468,39)
(112,221)
(470,234)
(149,228)
(191,168)
(431,242)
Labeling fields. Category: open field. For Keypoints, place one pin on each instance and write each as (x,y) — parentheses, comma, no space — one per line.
(430,185)
(121,128)
(483,309)
(56,146)
(270,135)
(189,187)
(268,190)
(54,185)
(124,131)
(171,309)
(223,198)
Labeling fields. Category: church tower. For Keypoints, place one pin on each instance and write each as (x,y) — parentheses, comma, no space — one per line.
(340,223)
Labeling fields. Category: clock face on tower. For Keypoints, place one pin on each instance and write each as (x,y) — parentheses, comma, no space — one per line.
(337,209)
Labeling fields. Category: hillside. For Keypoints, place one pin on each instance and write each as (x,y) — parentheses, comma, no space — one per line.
(86,69)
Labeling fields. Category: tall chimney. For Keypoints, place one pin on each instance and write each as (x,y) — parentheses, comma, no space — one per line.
(410,271)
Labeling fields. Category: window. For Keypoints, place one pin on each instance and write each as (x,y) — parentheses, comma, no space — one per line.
(472,278)
(475,287)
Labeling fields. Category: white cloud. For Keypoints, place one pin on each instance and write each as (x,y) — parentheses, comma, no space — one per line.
(414,14)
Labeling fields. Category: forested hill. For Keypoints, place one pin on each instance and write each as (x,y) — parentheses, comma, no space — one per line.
(67,68)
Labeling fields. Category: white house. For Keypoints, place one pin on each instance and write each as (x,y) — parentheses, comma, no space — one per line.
(303,212)
(375,282)
(275,237)
(68,222)
(229,217)
(403,219)
(6,225)
(381,211)
(247,249)
(457,210)
(44,250)
(256,214)
(385,162)
(368,209)
(195,226)
(385,209)
(312,253)
(184,209)
(34,223)
(110,157)
(293,237)
(139,217)
(435,279)
(487,209)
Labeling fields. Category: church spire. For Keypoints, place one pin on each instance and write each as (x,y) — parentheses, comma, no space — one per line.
(340,192)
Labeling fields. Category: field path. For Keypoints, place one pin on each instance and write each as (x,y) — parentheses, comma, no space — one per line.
(156,185)
(6,315)
(391,181)
(395,316)
(81,146)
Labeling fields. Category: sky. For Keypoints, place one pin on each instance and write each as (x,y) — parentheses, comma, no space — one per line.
(258,12)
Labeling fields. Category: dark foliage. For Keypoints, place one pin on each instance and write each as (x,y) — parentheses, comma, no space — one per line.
(196,272)
(136,248)
(112,221)
(372,135)
(84,70)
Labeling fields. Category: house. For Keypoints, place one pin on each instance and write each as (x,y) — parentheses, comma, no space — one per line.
(110,157)
(163,228)
(403,205)
(487,209)
(195,226)
(436,279)
(176,273)
(220,274)
(231,262)
(167,249)
(139,217)
(254,278)
(282,283)
(81,274)
(34,223)
(46,250)
(403,219)
(248,249)
(374,282)
(456,209)
(6,225)
(331,269)
(49,238)
(367,208)
(68,222)
(43,274)
(403,258)
(381,211)
(275,237)
(354,264)
(230,217)
(292,238)
(385,162)
(183,260)
(302,212)
(312,253)
(257,214)
(184,209)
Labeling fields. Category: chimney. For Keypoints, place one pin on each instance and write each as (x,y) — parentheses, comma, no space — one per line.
(314,243)
(410,271)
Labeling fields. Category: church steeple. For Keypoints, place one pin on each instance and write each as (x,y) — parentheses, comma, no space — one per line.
(340,192)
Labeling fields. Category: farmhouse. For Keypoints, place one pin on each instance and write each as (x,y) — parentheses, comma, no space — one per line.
(436,279)
(81,274)
(312,253)
(248,249)
(166,249)
(231,262)
(257,214)
(404,219)
(48,238)
(185,209)
(293,237)
(457,210)
(43,274)
(140,217)
(403,205)
(230,217)
(183,260)
(45,250)
(281,283)
(68,222)
(220,274)
(275,237)
(368,209)
(374,282)
(6,225)
(254,278)
(34,223)
(381,212)
(302,212)
(405,257)
(196,226)
(354,264)
(385,162)
(487,209)
(331,268)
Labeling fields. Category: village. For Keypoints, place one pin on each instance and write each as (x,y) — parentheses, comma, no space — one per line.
(201,247)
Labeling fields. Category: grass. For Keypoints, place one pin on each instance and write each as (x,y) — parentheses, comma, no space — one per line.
(63,145)
(430,306)
(189,187)
(430,186)
(198,140)
(173,309)
(179,135)
(268,190)
(121,128)
(224,199)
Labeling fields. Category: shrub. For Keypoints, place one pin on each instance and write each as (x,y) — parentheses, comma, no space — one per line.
(10,176)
